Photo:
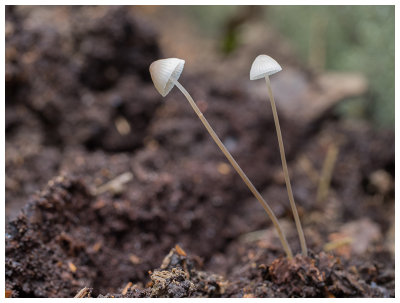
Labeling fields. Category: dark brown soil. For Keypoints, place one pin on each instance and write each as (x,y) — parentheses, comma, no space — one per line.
(81,111)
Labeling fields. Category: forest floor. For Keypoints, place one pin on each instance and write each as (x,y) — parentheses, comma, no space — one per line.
(124,194)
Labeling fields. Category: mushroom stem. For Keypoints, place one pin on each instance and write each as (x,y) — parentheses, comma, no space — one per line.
(239,171)
(285,170)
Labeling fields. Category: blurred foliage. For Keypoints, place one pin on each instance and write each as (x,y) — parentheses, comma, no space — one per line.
(356,38)
(343,38)
(211,19)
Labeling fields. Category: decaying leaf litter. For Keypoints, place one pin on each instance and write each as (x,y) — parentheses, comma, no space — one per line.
(179,222)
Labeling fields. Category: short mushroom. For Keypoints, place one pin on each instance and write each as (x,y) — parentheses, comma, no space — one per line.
(165,74)
(262,67)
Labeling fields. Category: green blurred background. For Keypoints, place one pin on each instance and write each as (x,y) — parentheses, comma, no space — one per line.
(342,38)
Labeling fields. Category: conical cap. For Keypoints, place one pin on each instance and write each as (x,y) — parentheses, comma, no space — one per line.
(164,72)
(264,65)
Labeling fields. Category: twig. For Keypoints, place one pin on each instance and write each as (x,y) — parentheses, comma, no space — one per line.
(337,243)
(83,293)
(127,286)
(326,174)
(116,185)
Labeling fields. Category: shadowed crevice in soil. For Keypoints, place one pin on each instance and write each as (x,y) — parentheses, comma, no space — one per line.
(54,72)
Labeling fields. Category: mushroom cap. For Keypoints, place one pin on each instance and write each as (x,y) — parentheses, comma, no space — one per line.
(164,72)
(263,66)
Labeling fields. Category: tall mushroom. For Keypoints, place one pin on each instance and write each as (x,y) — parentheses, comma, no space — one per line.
(165,74)
(262,67)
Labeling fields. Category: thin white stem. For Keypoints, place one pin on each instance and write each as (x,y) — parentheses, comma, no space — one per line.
(285,170)
(239,171)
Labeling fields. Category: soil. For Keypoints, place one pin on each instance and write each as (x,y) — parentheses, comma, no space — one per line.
(112,191)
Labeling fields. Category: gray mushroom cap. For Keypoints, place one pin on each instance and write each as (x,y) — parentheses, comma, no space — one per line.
(263,66)
(165,72)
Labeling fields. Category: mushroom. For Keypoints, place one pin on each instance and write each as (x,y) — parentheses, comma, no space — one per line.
(165,74)
(262,67)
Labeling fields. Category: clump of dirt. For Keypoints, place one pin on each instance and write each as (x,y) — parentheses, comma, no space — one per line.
(177,277)
(43,244)
(320,276)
